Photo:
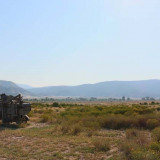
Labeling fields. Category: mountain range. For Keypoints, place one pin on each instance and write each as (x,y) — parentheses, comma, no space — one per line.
(135,89)
(11,88)
(25,86)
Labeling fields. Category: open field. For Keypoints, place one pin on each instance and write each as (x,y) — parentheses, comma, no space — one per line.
(85,131)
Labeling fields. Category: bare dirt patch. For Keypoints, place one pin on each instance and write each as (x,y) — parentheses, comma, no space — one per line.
(37,125)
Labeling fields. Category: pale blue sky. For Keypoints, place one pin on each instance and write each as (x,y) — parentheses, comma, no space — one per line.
(71,42)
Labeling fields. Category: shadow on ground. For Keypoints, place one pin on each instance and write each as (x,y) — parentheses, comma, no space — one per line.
(9,126)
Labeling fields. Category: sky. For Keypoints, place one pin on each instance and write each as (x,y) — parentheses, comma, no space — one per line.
(72,42)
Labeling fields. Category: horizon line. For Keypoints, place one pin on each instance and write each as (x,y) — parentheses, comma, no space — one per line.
(83,83)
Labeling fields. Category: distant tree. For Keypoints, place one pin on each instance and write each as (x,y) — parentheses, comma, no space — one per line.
(128,99)
(123,98)
(93,99)
(69,99)
(82,99)
(147,98)
(55,104)
(153,103)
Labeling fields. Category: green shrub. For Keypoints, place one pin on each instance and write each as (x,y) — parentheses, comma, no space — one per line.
(140,122)
(90,122)
(156,134)
(30,114)
(143,155)
(46,118)
(115,122)
(40,111)
(137,155)
(155,146)
(152,123)
(152,103)
(133,151)
(55,104)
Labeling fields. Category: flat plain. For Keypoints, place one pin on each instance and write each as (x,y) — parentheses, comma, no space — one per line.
(85,131)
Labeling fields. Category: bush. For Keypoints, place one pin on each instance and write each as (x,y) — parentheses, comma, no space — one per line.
(90,122)
(137,137)
(46,118)
(141,122)
(115,122)
(39,111)
(152,123)
(136,140)
(101,145)
(133,151)
(65,129)
(127,146)
(76,129)
(55,104)
(143,155)
(155,146)
(152,103)
(131,133)
(142,139)
(90,133)
(30,114)
(137,155)
(156,134)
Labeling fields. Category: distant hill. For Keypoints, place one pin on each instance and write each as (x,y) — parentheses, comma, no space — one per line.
(11,88)
(24,86)
(136,89)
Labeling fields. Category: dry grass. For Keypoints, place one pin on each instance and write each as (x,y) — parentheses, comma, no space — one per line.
(102,144)
(44,143)
(73,133)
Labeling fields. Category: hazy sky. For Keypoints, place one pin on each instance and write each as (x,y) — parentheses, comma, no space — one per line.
(70,42)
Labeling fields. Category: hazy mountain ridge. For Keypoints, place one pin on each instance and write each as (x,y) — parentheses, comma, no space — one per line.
(24,86)
(135,89)
(11,88)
